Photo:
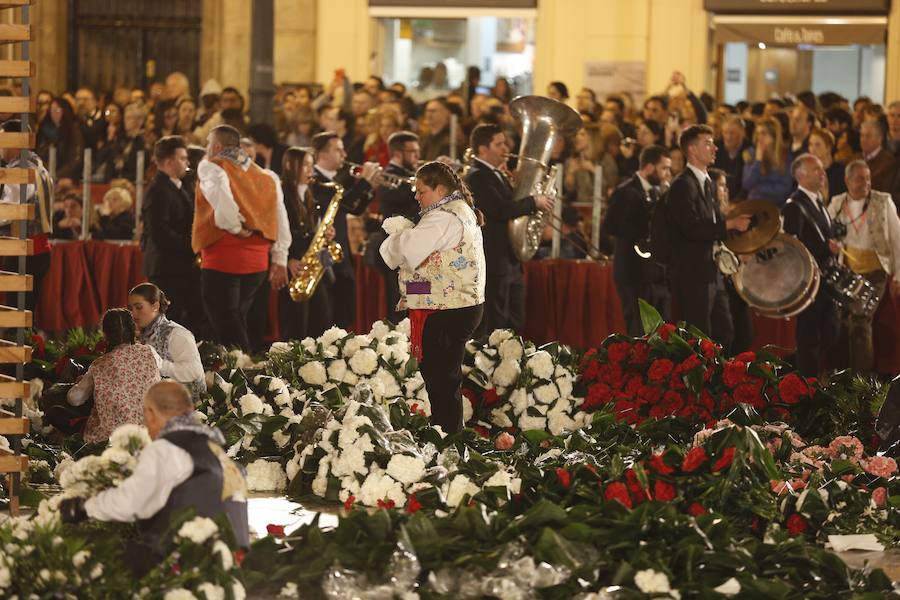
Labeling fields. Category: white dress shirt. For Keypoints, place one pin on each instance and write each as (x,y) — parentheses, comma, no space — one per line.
(161,467)
(185,365)
(438,230)
(217,190)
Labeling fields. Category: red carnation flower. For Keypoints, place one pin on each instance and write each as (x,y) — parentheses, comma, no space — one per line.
(693,459)
(793,388)
(239,555)
(617,491)
(749,393)
(691,362)
(665,330)
(348,503)
(659,465)
(275,530)
(618,352)
(386,504)
(640,352)
(564,477)
(660,369)
(796,524)
(663,492)
(482,431)
(470,395)
(39,346)
(747,357)
(412,504)
(735,372)
(491,397)
(591,370)
(724,460)
(708,349)
(696,509)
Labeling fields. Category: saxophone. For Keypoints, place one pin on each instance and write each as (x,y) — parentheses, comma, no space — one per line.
(321,253)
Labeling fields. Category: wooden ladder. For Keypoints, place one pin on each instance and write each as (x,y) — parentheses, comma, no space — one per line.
(15,318)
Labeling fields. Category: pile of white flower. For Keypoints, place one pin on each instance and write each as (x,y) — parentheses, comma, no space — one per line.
(521,385)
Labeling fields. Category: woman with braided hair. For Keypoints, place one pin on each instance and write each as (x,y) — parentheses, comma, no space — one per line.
(117,380)
(442,278)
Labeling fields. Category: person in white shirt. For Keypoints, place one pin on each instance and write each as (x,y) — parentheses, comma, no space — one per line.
(175,345)
(184,466)
(239,219)
(442,279)
(871,248)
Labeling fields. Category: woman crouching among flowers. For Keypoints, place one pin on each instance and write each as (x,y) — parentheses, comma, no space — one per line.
(442,278)
(174,344)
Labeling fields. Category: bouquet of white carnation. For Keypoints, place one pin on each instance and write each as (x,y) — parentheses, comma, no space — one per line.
(394,225)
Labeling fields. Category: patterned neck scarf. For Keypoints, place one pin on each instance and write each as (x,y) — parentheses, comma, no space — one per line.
(236,155)
(457,195)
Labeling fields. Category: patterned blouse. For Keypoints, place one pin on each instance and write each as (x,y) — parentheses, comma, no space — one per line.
(118,379)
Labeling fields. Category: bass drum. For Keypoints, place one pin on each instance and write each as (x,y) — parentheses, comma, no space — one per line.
(780,279)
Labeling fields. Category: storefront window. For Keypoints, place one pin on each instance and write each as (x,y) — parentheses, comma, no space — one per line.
(431,55)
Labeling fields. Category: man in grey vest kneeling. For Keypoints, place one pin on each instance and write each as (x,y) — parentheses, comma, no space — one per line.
(184,466)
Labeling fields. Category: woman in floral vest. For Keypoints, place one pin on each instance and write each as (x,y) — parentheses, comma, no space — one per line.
(117,380)
(442,278)
(176,346)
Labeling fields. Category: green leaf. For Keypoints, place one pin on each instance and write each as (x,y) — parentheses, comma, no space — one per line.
(650,317)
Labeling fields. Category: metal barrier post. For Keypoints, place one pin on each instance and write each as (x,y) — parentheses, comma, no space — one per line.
(139,192)
(596,212)
(87,205)
(556,243)
(454,133)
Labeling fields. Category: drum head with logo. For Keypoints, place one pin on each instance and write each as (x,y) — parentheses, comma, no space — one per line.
(779,279)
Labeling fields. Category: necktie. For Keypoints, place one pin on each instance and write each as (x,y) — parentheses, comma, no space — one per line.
(710,197)
(821,206)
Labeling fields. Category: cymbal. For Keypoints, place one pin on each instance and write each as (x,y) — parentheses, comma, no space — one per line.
(765,223)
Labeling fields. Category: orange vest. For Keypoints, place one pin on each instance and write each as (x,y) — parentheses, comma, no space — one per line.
(255,194)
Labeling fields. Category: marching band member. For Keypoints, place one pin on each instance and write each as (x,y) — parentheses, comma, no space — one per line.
(871,248)
(442,283)
(806,218)
(493,193)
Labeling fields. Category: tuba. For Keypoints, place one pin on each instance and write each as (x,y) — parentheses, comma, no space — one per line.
(321,253)
(544,121)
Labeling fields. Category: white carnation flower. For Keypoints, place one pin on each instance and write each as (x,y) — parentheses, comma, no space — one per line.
(280,438)
(396,353)
(403,327)
(198,530)
(511,349)
(265,476)
(129,436)
(406,469)
(237,590)
(78,559)
(331,336)
(545,394)
(97,571)
(337,370)
(506,373)
(459,487)
(503,478)
(283,398)
(541,364)
(313,373)
(528,423)
(225,555)
(289,591)
(394,225)
(308,344)
(500,418)
(558,422)
(391,387)
(251,404)
(241,360)
(352,345)
(565,386)
(499,336)
(467,410)
(484,363)
(731,587)
(379,486)
(212,591)
(364,362)
(118,456)
(5,578)
(519,401)
(279,348)
(652,582)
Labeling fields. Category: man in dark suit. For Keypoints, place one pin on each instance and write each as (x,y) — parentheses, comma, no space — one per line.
(504,305)
(359,189)
(396,201)
(882,162)
(695,227)
(167,215)
(628,219)
(730,154)
(806,218)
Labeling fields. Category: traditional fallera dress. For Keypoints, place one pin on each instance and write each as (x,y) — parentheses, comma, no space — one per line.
(177,349)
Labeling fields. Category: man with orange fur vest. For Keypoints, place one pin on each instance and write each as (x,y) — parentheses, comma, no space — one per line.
(239,220)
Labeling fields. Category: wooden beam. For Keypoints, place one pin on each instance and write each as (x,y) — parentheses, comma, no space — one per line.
(15,247)
(10,353)
(14,282)
(15,176)
(17,104)
(14,426)
(16,212)
(14,3)
(16,140)
(12,317)
(13,464)
(16,68)
(10,388)
(14,33)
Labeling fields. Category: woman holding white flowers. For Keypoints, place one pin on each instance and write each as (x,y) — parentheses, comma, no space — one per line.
(175,345)
(442,278)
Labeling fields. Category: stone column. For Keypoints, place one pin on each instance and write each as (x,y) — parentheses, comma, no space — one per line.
(262,88)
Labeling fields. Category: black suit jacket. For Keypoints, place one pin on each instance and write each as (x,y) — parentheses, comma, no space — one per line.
(167,213)
(357,196)
(805,221)
(628,219)
(495,200)
(302,225)
(694,224)
(400,201)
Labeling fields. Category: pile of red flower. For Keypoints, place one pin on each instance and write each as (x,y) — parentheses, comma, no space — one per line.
(672,372)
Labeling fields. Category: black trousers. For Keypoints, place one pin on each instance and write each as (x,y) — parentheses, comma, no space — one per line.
(705,306)
(443,346)
(742,321)
(655,294)
(186,304)
(37,266)
(392,296)
(504,304)
(343,298)
(257,319)
(227,299)
(298,320)
(818,328)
